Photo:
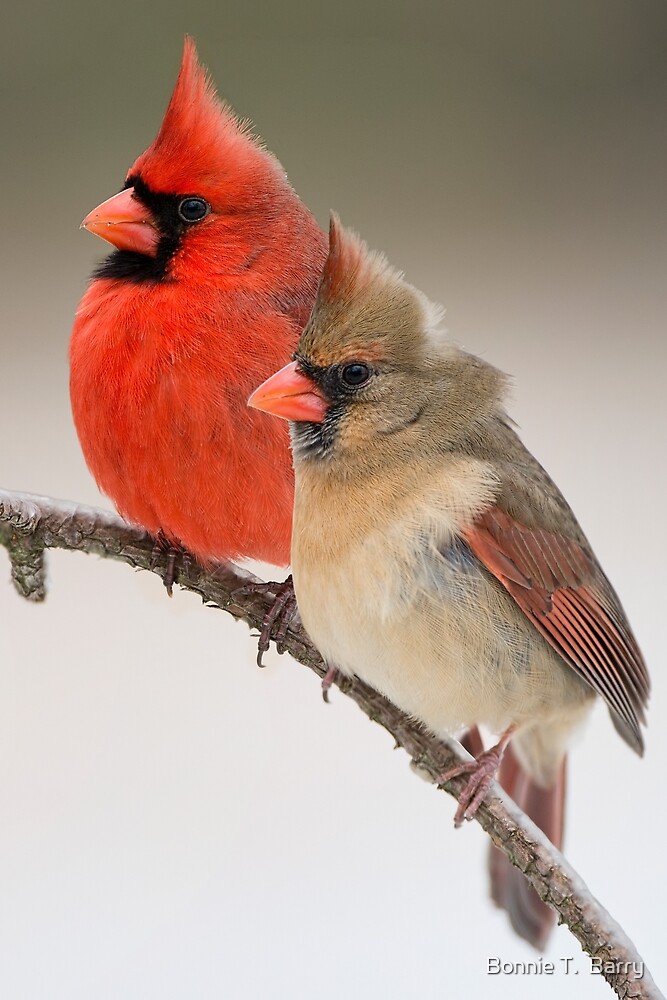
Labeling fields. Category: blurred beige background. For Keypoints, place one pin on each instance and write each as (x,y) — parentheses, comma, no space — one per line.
(176,823)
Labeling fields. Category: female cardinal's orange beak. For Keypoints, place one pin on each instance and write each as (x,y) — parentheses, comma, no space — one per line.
(124,222)
(292,395)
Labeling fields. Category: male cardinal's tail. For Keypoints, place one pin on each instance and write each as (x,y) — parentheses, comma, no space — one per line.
(530,917)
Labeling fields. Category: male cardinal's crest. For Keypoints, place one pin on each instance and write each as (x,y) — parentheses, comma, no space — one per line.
(200,138)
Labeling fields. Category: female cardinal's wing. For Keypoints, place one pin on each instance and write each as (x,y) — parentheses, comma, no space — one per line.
(562,590)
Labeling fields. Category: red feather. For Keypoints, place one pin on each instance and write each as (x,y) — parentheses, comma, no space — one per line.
(564,593)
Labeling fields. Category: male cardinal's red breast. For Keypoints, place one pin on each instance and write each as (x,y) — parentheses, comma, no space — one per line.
(434,557)
(213,276)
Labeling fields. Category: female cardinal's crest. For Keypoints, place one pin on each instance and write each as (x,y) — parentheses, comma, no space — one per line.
(364,305)
(351,266)
(200,140)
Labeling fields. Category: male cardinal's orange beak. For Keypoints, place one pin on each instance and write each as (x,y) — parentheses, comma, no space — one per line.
(292,395)
(124,222)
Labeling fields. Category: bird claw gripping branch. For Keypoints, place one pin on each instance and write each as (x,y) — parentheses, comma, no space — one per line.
(327,682)
(482,772)
(177,557)
(279,616)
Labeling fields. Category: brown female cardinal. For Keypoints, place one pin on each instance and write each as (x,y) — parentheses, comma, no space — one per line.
(213,276)
(433,556)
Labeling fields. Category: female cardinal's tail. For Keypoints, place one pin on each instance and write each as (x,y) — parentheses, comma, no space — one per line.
(530,917)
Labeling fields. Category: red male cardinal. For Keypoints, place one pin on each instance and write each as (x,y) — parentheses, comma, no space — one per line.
(433,556)
(213,276)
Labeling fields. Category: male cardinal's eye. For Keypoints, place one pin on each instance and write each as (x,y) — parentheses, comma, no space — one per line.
(356,374)
(193,209)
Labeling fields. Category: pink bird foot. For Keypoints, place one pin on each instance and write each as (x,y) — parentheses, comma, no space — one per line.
(327,682)
(482,773)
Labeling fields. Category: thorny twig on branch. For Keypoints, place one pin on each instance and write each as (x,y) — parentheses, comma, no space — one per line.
(31,524)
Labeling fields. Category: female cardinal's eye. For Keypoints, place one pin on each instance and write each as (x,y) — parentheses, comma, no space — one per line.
(356,374)
(193,209)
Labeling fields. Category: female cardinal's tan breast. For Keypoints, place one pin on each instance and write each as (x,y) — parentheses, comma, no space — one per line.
(389,591)
(159,383)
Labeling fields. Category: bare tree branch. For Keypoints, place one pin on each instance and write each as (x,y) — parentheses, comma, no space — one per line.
(31,524)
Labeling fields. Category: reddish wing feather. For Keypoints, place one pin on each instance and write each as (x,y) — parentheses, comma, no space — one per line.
(560,588)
